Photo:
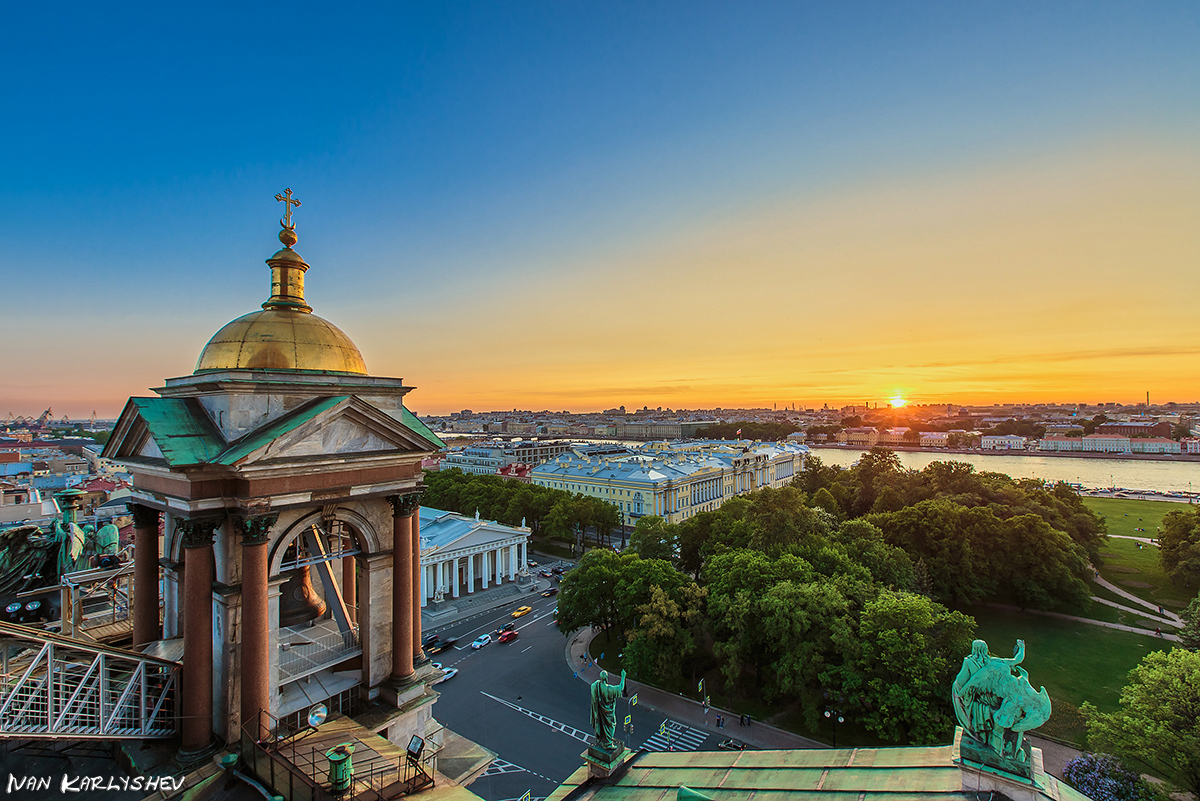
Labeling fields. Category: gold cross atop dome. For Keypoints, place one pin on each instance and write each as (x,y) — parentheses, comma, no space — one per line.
(288,235)
(290,201)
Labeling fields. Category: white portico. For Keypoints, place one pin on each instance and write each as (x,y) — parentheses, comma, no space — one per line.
(460,554)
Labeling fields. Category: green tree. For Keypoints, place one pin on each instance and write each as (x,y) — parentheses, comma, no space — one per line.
(1158,724)
(1189,635)
(653,538)
(1179,546)
(588,594)
(665,637)
(898,662)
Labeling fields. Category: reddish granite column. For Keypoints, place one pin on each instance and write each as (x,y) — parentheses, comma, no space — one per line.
(418,653)
(256,656)
(197,690)
(146,627)
(402,592)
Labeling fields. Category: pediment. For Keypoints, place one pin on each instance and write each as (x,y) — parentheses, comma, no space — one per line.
(344,426)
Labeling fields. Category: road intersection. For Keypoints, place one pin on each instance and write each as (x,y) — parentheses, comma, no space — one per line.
(522,701)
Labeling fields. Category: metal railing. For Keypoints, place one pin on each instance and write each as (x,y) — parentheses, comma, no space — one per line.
(302,774)
(54,686)
(94,598)
(311,654)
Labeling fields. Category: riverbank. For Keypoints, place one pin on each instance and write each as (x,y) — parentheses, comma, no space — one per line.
(1151,479)
(1114,457)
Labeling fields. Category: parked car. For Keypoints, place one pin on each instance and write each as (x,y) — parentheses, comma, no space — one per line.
(550,592)
(731,745)
(480,641)
(508,636)
(521,611)
(449,674)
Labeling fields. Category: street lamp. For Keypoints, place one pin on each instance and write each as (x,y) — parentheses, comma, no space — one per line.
(834,712)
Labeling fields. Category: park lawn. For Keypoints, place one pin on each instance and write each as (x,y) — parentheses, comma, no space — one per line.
(1076,662)
(1126,565)
(1125,516)
(1122,561)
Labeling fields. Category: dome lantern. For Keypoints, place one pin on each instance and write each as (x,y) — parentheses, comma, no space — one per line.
(285,335)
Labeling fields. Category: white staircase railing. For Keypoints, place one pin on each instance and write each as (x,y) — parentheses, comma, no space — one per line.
(55,686)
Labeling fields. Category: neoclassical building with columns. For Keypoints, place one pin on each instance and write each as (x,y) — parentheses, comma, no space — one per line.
(276,499)
(461,555)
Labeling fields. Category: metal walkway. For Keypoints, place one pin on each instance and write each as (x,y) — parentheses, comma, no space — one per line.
(55,686)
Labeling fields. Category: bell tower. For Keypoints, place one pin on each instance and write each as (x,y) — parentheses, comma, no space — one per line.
(278,487)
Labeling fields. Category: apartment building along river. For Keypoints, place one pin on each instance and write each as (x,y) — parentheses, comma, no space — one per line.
(675,480)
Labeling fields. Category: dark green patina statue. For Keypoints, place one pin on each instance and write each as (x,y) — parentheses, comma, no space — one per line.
(604,710)
(996,705)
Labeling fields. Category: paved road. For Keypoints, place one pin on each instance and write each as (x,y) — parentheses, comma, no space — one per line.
(521,700)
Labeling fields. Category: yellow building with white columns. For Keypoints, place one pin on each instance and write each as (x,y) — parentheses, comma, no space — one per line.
(675,481)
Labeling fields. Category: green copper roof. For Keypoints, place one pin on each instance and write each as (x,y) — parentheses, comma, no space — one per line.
(849,774)
(180,428)
(409,419)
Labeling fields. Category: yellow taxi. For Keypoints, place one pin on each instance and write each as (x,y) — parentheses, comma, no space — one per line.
(524,610)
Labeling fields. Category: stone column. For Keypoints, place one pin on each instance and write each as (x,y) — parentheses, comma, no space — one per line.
(499,568)
(197,689)
(403,507)
(484,572)
(471,574)
(256,654)
(145,575)
(454,570)
(512,562)
(418,652)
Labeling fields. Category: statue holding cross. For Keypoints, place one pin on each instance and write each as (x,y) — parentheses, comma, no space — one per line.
(289,201)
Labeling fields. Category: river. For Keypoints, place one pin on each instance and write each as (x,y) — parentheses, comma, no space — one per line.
(1093,473)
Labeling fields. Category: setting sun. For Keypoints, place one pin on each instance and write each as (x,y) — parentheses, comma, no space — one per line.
(897,402)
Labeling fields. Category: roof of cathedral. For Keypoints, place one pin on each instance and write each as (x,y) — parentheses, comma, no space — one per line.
(859,774)
(184,434)
(285,335)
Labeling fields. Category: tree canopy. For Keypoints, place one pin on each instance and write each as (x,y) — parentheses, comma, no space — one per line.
(1158,724)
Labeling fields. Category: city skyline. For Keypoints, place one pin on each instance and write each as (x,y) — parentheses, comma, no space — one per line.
(556,206)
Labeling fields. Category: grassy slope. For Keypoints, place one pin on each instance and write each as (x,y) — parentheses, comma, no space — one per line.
(1123,561)
(1076,662)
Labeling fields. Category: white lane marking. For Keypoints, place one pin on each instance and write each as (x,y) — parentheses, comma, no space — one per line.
(570,731)
(682,738)
(526,648)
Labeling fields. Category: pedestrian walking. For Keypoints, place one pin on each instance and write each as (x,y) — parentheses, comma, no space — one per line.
(720,722)
(1158,631)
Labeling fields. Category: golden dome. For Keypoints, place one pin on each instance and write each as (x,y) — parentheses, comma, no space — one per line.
(281,339)
(285,335)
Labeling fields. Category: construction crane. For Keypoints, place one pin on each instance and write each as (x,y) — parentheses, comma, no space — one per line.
(45,417)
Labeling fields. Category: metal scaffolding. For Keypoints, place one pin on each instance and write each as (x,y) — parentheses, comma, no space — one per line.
(55,686)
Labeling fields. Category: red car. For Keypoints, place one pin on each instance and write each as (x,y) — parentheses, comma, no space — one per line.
(508,636)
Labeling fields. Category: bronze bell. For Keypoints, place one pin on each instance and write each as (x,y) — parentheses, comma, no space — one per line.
(298,601)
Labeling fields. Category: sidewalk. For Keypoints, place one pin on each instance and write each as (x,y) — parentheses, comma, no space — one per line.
(1108,585)
(685,710)
(1088,620)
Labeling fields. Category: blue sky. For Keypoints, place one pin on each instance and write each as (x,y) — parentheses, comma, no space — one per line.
(460,162)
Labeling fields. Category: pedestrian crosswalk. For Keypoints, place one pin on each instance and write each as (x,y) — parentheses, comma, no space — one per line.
(677,737)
